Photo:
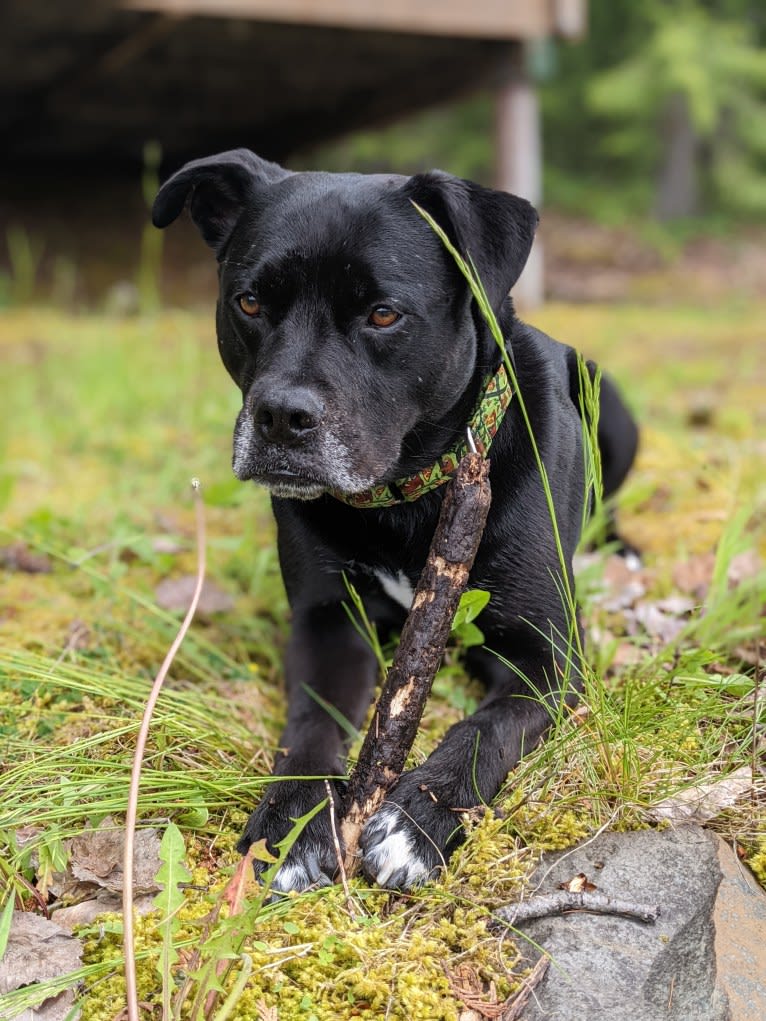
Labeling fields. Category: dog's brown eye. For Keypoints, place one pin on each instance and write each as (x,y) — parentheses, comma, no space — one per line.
(249,305)
(383,316)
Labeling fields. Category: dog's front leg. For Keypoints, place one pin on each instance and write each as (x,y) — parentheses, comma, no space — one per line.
(326,657)
(419,825)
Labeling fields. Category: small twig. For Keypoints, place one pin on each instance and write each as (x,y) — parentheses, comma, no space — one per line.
(563,900)
(338,852)
(135,776)
(518,1004)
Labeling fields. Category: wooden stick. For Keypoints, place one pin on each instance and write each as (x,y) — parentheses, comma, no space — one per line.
(338,852)
(514,1009)
(564,900)
(424,636)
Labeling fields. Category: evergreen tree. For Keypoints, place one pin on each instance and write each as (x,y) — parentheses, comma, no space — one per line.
(688,107)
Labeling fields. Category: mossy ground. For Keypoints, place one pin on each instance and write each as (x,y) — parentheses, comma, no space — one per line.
(105,421)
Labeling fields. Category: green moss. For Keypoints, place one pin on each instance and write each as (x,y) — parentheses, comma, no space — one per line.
(311,957)
(757,863)
(547,826)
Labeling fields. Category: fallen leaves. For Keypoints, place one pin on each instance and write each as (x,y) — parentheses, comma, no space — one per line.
(39,950)
(578,884)
(620,603)
(19,557)
(96,857)
(663,620)
(175,595)
(694,576)
(92,882)
(704,801)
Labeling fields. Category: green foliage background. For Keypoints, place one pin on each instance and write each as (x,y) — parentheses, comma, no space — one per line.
(603,102)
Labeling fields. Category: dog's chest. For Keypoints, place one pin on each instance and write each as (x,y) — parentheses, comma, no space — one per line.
(396,586)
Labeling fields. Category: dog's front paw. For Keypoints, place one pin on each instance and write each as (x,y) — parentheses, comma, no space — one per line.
(312,860)
(410,838)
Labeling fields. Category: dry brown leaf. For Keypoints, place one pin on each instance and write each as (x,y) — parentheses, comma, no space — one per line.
(621,586)
(38,950)
(623,598)
(24,834)
(626,654)
(578,884)
(266,1013)
(704,801)
(693,576)
(743,566)
(655,622)
(96,857)
(87,911)
(236,889)
(175,595)
(167,544)
(19,557)
(620,575)
(676,606)
(754,654)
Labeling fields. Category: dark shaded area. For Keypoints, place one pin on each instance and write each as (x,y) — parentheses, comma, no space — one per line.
(87,83)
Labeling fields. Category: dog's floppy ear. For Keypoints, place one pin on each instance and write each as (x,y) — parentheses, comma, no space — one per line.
(217,188)
(494,228)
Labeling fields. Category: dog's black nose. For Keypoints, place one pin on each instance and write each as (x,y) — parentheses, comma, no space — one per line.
(287,416)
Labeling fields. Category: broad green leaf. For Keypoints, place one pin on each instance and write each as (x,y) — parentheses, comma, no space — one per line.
(470,606)
(260,852)
(169,901)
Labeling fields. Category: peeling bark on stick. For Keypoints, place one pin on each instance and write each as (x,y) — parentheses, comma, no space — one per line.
(424,637)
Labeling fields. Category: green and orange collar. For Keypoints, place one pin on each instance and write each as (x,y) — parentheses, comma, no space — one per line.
(483,425)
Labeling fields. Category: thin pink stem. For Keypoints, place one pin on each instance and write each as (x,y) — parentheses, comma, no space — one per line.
(135,776)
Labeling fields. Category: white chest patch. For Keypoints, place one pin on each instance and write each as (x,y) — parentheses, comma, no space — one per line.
(396,587)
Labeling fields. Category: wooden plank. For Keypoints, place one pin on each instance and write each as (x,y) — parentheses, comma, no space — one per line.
(570,17)
(483,19)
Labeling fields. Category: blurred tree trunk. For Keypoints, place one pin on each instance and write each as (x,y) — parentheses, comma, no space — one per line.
(677,184)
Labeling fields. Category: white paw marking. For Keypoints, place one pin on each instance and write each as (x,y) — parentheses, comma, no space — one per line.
(300,875)
(390,852)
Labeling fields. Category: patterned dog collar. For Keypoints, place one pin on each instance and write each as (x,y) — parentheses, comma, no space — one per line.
(484,423)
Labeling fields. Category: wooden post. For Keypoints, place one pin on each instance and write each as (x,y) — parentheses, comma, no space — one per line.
(518,164)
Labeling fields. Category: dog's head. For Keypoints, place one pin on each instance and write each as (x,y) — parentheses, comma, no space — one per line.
(341,317)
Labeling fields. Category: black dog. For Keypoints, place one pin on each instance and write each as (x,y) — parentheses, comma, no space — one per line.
(362,357)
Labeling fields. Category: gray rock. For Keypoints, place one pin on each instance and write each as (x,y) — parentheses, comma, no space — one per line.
(740,938)
(607,968)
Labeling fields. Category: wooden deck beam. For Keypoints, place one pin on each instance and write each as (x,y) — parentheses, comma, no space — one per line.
(482,19)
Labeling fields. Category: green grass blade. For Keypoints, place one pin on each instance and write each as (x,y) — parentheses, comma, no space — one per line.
(5,922)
